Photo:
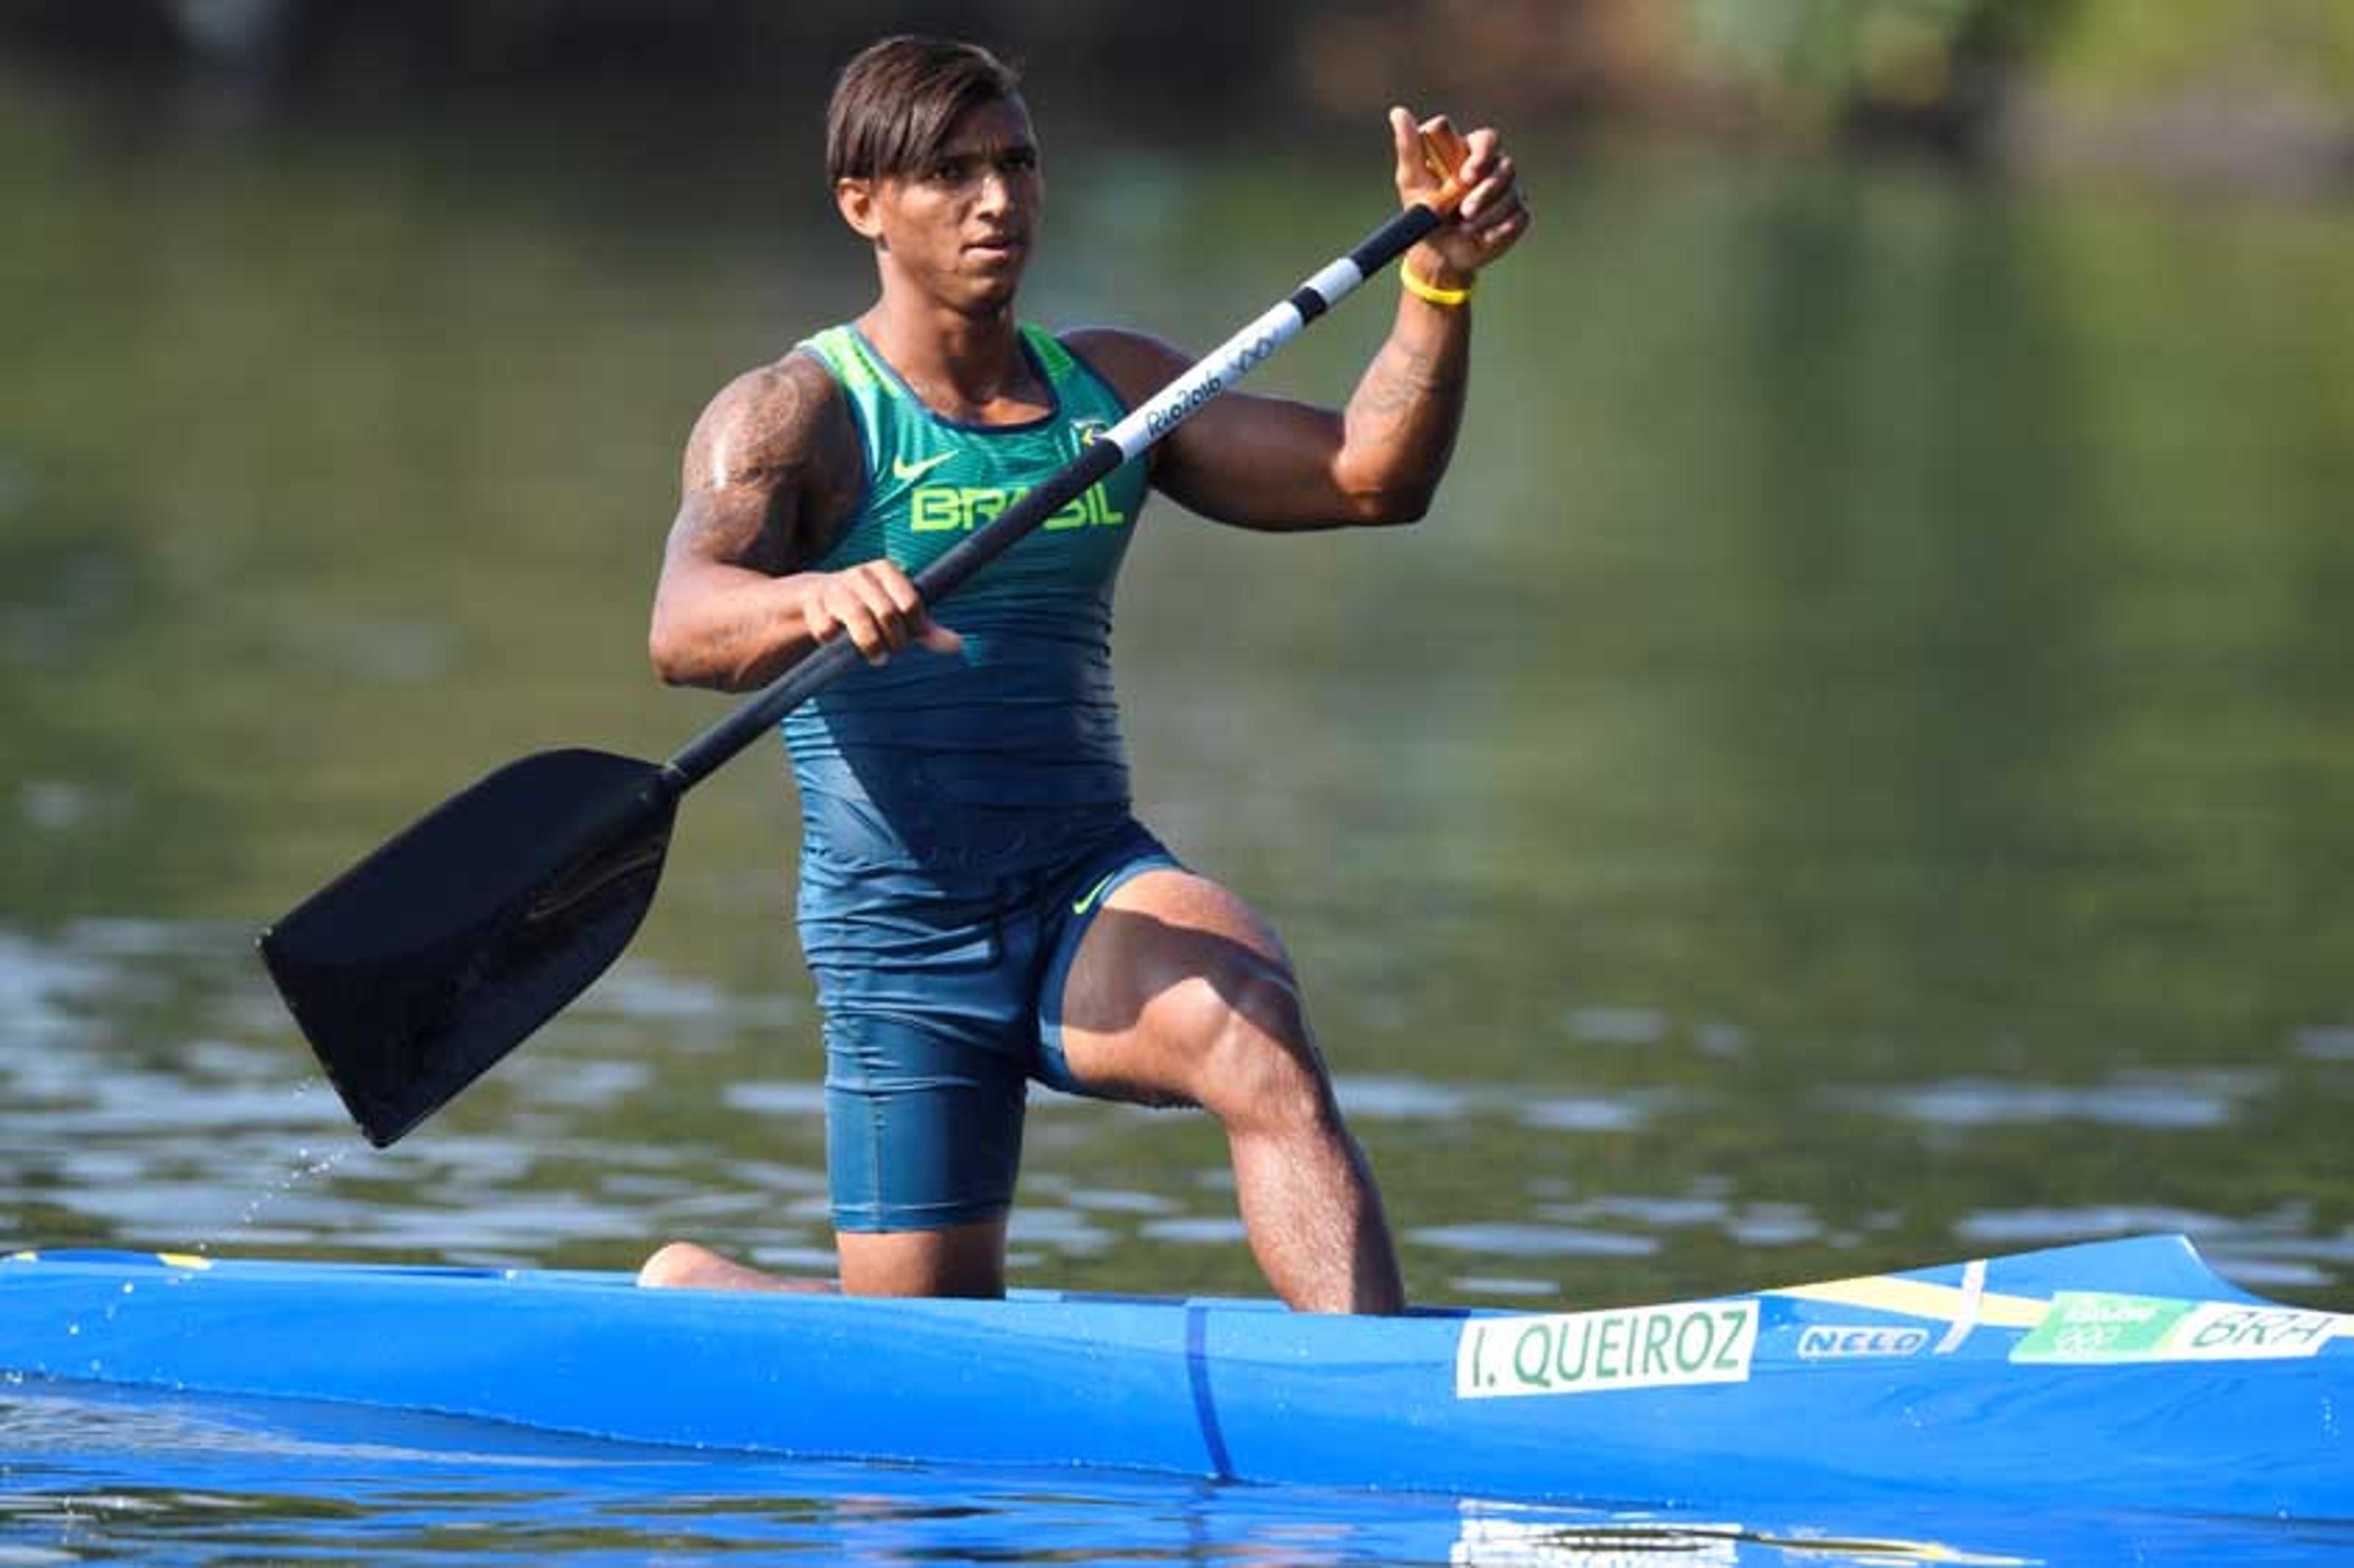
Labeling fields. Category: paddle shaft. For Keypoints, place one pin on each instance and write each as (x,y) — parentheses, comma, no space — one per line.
(1144,426)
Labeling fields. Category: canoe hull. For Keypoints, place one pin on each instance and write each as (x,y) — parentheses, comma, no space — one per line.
(2116,1375)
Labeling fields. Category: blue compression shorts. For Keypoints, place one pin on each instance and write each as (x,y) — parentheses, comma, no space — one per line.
(938,1012)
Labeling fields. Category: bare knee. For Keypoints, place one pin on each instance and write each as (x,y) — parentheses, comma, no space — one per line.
(1259,1069)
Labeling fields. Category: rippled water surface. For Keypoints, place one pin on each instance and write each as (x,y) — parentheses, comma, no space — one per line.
(1855,773)
(95,1479)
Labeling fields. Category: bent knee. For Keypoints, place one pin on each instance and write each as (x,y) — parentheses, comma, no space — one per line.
(1257,1062)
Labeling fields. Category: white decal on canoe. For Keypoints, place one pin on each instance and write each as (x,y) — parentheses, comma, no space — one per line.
(1966,1318)
(2217,1331)
(2088,1326)
(1595,1352)
(1836,1342)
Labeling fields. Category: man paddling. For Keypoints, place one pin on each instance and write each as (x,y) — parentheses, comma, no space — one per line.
(978,906)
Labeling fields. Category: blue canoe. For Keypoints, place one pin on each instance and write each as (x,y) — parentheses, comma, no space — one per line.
(2116,1375)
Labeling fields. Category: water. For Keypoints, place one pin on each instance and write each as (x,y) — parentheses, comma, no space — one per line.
(162,1478)
(1854,774)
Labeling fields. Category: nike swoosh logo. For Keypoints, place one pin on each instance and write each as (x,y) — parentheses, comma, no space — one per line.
(1084,905)
(903,470)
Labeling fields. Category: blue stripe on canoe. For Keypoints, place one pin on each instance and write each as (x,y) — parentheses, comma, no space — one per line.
(1197,1374)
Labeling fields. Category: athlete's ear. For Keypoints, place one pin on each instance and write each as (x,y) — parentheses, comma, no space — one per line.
(854,199)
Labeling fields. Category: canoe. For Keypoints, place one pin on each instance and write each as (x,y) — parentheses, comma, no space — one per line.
(2113,1374)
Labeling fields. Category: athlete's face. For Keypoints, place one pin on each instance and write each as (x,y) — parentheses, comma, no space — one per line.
(959,228)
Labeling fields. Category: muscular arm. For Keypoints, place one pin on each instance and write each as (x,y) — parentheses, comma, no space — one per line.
(1267,463)
(725,612)
(1273,463)
(771,471)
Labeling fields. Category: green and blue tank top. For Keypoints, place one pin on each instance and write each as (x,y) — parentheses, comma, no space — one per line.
(945,770)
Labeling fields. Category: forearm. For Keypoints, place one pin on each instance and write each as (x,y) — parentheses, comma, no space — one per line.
(729,630)
(1398,428)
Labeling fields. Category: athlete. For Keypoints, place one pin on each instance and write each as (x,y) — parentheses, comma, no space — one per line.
(977,906)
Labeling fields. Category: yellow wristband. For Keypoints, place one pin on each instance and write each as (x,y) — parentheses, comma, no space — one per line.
(1422,289)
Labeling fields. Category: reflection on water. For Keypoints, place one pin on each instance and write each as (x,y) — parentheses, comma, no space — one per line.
(94,1476)
(1852,775)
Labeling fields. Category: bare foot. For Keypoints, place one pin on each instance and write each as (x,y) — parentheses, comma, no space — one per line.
(684,1265)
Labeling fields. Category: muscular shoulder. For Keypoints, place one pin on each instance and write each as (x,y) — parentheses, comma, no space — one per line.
(773,466)
(787,418)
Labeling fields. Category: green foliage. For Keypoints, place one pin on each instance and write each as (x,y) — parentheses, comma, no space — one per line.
(1816,60)
(2122,49)
(1828,55)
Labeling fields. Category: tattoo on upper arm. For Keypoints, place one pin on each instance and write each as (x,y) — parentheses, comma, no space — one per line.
(771,469)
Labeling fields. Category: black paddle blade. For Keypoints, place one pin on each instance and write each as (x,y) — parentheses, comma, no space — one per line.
(416,969)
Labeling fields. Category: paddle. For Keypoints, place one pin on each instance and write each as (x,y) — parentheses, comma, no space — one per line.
(420,968)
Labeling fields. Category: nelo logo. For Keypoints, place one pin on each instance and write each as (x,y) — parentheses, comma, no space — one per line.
(1828,1341)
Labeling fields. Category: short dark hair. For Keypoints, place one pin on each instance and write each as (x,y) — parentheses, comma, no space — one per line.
(895,102)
